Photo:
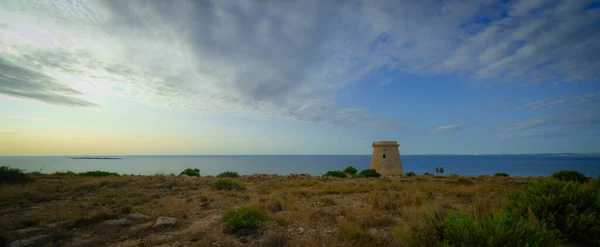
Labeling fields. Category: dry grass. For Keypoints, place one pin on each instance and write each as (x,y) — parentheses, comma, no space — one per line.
(302,210)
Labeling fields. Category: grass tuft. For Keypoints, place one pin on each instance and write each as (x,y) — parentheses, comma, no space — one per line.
(243,221)
(226,184)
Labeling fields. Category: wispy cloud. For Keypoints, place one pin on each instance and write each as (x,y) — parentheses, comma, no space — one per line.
(535,135)
(282,59)
(23,118)
(446,128)
(567,100)
(562,119)
(385,82)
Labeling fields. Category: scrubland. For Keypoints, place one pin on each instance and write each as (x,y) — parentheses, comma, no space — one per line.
(67,209)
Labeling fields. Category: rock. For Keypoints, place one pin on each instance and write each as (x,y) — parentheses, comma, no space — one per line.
(244,240)
(119,222)
(30,230)
(165,222)
(32,241)
(137,216)
(301,230)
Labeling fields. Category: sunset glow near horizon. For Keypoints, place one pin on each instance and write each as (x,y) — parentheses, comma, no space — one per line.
(303,77)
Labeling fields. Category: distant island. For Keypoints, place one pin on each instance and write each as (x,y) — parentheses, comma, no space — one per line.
(96,158)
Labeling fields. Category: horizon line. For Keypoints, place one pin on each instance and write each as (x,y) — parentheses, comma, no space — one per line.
(124,155)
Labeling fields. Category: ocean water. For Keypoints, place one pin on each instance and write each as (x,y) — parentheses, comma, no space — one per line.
(515,165)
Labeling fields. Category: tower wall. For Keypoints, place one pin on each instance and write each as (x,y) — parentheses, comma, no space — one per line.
(391,165)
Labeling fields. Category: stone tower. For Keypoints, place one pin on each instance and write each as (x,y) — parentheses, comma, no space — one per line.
(386,158)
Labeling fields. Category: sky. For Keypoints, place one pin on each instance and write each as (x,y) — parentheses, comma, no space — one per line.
(298,77)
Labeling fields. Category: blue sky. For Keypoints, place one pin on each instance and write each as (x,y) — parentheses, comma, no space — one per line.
(308,77)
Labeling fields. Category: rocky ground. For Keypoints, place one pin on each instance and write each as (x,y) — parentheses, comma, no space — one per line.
(162,210)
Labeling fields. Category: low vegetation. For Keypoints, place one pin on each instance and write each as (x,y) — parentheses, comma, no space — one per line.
(410,174)
(226,184)
(243,221)
(574,176)
(303,211)
(350,170)
(369,173)
(192,172)
(228,174)
(565,206)
(13,176)
(501,174)
(97,174)
(339,174)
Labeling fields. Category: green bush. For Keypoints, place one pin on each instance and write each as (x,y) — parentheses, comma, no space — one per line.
(570,176)
(13,176)
(67,173)
(410,174)
(350,170)
(226,184)
(228,174)
(369,173)
(243,221)
(427,174)
(501,174)
(97,174)
(339,174)
(562,205)
(499,229)
(192,172)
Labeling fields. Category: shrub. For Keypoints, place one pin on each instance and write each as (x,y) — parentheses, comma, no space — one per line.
(410,174)
(562,205)
(369,173)
(67,173)
(228,174)
(243,221)
(499,229)
(501,174)
(13,176)
(97,174)
(350,170)
(339,174)
(570,176)
(192,172)
(465,181)
(226,184)
(427,174)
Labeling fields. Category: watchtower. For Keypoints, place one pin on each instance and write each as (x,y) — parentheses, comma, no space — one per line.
(386,158)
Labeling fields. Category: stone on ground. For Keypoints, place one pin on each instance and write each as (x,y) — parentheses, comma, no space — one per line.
(165,222)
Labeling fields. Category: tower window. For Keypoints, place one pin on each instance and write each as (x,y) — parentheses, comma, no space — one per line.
(384,156)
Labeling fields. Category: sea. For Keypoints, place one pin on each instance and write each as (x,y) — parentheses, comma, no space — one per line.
(468,165)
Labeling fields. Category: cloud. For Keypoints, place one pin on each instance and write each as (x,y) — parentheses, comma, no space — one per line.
(23,118)
(24,83)
(385,82)
(282,59)
(446,128)
(572,100)
(585,117)
(535,135)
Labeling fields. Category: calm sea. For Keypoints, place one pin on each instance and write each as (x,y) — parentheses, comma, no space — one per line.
(515,165)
